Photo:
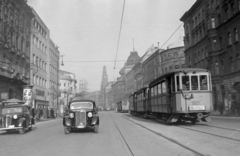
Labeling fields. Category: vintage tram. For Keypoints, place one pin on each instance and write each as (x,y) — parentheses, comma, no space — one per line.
(123,107)
(179,95)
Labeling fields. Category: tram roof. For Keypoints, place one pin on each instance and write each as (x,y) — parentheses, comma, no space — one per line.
(177,71)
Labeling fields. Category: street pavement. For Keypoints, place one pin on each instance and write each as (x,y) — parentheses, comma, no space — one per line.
(121,134)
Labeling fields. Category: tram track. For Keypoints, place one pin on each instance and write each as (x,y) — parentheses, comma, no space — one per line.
(216,135)
(127,147)
(158,134)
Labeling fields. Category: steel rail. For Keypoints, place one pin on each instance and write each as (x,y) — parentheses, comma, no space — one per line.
(167,138)
(130,152)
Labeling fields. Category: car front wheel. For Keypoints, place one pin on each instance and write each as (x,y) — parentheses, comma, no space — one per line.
(66,130)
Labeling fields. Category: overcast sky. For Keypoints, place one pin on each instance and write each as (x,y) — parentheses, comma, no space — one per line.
(87,31)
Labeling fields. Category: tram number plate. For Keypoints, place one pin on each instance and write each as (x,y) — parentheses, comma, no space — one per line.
(199,107)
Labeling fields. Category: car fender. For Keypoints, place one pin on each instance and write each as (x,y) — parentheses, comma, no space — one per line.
(21,122)
(95,120)
(66,121)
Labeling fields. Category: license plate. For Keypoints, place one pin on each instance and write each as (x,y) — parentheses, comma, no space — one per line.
(199,107)
(11,126)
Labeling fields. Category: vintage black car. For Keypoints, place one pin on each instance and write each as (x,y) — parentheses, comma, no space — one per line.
(81,114)
(15,115)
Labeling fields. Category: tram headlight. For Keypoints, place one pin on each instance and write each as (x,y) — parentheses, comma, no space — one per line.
(71,115)
(90,114)
(14,116)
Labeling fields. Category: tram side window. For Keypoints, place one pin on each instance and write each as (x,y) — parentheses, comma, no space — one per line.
(155,90)
(152,92)
(194,82)
(173,84)
(159,89)
(177,80)
(185,83)
(203,82)
(164,87)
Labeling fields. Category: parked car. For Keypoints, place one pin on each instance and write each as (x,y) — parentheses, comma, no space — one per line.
(81,114)
(15,115)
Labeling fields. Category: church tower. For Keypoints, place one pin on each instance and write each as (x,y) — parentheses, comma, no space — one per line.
(104,78)
(102,95)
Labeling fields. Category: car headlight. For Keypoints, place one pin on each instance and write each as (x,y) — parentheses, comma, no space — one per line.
(89,114)
(14,116)
(71,115)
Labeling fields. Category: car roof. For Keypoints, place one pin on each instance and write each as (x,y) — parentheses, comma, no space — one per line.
(94,104)
(12,103)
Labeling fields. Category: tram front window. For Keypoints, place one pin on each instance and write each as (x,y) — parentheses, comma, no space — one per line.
(185,83)
(203,82)
(194,82)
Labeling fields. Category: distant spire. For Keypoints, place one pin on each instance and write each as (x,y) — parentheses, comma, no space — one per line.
(133,45)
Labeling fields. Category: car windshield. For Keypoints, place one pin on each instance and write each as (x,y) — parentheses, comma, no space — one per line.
(79,105)
(11,110)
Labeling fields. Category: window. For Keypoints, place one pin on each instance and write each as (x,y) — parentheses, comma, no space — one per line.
(236,34)
(220,42)
(203,82)
(202,54)
(34,81)
(213,23)
(206,52)
(164,87)
(159,89)
(216,68)
(229,39)
(185,83)
(238,61)
(214,44)
(231,64)
(194,82)
(34,59)
(199,57)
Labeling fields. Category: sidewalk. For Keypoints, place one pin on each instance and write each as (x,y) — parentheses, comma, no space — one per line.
(44,119)
(225,114)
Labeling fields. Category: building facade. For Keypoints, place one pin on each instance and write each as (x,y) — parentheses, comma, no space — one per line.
(212,42)
(67,89)
(15,26)
(53,56)
(39,61)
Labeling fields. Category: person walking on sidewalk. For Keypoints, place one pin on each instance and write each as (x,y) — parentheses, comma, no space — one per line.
(221,107)
(52,113)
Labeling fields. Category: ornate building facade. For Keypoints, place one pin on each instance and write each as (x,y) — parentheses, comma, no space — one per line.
(212,42)
(15,26)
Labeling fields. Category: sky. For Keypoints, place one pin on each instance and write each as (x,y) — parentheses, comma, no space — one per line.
(87,32)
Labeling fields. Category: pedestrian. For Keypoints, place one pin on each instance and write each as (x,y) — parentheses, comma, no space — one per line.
(233,105)
(221,107)
(41,112)
(52,113)
(33,113)
(38,114)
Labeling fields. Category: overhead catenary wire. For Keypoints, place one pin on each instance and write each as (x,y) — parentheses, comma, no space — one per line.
(172,35)
(119,36)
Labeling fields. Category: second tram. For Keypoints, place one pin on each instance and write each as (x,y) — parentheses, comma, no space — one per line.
(180,95)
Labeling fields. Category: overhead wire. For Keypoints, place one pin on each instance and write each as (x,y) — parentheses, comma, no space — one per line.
(172,35)
(119,36)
